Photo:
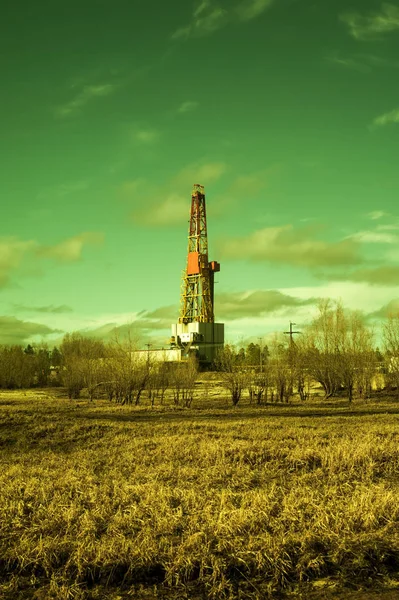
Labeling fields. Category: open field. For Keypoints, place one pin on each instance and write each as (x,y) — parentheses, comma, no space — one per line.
(106,501)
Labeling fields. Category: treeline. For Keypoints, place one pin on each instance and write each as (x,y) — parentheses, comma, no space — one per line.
(101,369)
(337,351)
(29,367)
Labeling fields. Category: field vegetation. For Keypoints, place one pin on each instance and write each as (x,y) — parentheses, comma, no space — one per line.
(103,500)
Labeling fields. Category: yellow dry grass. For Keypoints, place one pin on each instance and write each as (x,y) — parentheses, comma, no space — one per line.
(105,501)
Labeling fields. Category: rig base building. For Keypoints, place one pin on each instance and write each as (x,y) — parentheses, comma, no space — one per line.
(203,339)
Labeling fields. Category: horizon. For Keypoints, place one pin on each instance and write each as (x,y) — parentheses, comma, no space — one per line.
(110,117)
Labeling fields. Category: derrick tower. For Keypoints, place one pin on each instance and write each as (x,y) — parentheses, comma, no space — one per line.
(197,295)
(196,330)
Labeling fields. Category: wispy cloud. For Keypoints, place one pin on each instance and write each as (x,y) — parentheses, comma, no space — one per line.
(377,214)
(84,97)
(386,118)
(167,203)
(251,9)
(206,19)
(170,211)
(62,190)
(12,253)
(199,172)
(374,25)
(375,237)
(363,63)
(50,309)
(350,63)
(146,136)
(187,107)
(251,184)
(71,249)
(209,17)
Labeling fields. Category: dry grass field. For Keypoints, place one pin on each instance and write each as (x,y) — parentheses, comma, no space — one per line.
(105,501)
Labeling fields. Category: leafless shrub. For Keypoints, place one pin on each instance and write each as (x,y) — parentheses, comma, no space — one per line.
(230,365)
(183,377)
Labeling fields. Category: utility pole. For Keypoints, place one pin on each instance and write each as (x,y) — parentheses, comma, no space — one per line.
(291,333)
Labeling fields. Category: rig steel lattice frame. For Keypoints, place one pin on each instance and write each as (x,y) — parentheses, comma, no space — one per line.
(197,295)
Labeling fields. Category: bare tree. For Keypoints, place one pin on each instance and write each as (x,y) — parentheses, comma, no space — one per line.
(190,374)
(340,350)
(229,363)
(81,363)
(158,381)
(281,369)
(299,358)
(322,354)
(391,347)
(356,351)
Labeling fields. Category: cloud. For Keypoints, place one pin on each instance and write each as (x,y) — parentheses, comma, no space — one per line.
(15,331)
(17,254)
(51,309)
(169,313)
(249,10)
(198,172)
(375,237)
(376,276)
(388,117)
(63,189)
(12,253)
(169,202)
(86,95)
(295,247)
(187,107)
(229,306)
(70,250)
(171,211)
(142,328)
(350,63)
(363,63)
(387,310)
(377,214)
(374,25)
(251,184)
(380,234)
(209,17)
(146,136)
(238,305)
(206,19)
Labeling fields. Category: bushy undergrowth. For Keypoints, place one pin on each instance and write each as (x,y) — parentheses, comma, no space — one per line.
(98,500)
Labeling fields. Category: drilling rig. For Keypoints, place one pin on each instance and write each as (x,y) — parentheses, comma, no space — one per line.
(196,330)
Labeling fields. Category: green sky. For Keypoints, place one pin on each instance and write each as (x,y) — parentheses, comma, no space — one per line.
(287,111)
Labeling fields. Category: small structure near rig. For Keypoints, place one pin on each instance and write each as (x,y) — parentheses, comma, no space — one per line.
(196,330)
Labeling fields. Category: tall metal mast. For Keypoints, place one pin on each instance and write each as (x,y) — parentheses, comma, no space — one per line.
(197,295)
